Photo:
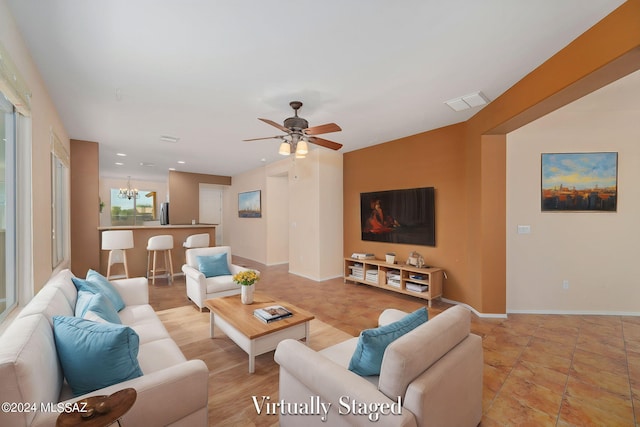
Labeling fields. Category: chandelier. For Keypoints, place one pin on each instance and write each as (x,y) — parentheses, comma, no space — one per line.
(296,145)
(128,193)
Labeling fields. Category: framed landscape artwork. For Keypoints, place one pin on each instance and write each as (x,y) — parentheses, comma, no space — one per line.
(585,182)
(249,204)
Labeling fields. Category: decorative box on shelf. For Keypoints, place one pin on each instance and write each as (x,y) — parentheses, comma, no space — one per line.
(424,282)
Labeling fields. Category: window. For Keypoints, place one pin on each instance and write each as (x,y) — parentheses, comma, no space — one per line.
(16,282)
(59,195)
(8,289)
(133,211)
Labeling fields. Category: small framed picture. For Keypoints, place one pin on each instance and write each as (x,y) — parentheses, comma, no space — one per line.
(249,204)
(586,182)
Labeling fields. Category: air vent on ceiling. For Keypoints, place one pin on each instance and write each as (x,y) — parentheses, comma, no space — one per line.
(475,99)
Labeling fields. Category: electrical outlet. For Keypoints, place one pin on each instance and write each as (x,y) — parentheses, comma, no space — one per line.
(565,284)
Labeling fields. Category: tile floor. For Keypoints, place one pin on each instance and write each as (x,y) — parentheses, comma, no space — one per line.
(539,370)
(561,370)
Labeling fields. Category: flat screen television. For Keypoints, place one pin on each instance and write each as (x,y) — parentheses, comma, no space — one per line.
(399,216)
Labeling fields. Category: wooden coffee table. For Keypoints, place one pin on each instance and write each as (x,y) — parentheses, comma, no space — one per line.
(252,335)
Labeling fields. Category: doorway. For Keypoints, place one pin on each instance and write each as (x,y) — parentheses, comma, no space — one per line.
(211,208)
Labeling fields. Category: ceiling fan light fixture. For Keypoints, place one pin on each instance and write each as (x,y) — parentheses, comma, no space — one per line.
(299,135)
(302,148)
(285,149)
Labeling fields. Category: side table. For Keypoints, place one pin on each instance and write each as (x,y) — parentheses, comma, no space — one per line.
(99,411)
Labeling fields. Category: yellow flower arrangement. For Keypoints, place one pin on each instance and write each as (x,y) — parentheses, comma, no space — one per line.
(246,278)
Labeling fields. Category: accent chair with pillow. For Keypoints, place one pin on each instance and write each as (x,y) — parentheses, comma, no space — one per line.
(209,274)
(414,372)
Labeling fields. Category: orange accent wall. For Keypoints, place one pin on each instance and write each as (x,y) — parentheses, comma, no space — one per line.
(85,211)
(429,159)
(469,174)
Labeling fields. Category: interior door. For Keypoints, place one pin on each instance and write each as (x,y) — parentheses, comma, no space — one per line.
(211,208)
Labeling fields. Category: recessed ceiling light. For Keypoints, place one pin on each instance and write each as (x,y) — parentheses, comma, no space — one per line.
(121,154)
(147,164)
(182,162)
(119,163)
(167,138)
(172,169)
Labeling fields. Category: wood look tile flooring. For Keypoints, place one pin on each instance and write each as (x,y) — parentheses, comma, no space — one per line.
(539,370)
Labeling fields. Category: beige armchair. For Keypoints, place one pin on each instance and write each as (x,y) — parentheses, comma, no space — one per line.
(431,376)
(201,288)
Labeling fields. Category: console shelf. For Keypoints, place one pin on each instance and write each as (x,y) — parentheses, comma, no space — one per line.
(425,283)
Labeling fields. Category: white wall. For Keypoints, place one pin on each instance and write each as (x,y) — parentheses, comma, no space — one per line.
(314,215)
(277,205)
(595,251)
(44,118)
(331,201)
(246,236)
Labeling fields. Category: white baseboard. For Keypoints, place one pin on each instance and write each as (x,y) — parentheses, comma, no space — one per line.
(577,312)
(567,312)
(277,263)
(315,279)
(476,312)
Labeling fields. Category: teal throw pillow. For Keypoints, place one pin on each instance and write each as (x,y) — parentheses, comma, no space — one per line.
(88,305)
(214,265)
(95,355)
(367,359)
(96,283)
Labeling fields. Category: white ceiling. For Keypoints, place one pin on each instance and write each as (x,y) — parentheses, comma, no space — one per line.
(124,72)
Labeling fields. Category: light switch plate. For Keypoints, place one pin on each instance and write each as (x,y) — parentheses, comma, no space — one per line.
(524,229)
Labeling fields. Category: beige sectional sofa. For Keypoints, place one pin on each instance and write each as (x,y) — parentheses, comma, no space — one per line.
(172,391)
(431,376)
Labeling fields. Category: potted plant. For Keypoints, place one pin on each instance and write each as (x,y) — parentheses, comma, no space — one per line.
(246,279)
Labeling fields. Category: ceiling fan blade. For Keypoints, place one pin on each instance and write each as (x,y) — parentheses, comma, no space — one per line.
(268,137)
(326,128)
(325,143)
(274,124)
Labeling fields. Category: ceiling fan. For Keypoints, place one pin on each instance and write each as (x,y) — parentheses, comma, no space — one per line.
(298,133)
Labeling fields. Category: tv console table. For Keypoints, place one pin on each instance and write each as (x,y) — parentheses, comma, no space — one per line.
(425,283)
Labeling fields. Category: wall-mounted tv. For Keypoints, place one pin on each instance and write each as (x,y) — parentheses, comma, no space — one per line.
(399,216)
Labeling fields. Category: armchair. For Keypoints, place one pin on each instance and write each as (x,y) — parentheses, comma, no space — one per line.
(201,288)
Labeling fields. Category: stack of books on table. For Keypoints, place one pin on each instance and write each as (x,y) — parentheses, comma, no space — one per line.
(393,278)
(361,255)
(414,287)
(372,276)
(272,313)
(357,271)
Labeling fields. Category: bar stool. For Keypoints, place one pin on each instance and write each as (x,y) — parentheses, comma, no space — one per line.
(197,241)
(116,242)
(156,244)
